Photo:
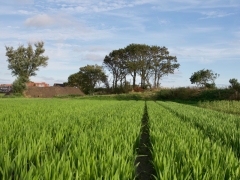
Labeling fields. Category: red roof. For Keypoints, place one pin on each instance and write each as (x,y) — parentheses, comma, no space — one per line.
(41,84)
(4,85)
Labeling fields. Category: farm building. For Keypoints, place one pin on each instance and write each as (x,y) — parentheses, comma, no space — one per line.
(5,88)
(59,85)
(37,84)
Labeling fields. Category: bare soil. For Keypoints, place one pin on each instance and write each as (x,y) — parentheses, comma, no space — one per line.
(49,92)
(145,169)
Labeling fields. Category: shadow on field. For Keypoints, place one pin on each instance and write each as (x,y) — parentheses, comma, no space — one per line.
(145,169)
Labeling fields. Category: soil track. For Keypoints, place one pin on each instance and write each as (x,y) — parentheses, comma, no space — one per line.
(49,92)
(145,169)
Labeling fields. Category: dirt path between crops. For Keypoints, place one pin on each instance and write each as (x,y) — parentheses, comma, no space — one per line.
(145,169)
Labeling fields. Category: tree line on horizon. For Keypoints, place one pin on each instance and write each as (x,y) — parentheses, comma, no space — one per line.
(134,60)
(147,62)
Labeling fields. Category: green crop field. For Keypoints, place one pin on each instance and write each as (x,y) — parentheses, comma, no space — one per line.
(99,139)
(224,106)
(194,143)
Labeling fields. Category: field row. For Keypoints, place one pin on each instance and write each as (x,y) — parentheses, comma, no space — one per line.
(90,139)
(193,143)
(60,139)
(224,106)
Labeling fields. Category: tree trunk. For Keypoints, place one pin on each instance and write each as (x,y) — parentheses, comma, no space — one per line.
(134,79)
(158,79)
(115,83)
(155,79)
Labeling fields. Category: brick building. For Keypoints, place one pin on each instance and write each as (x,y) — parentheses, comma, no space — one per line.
(37,84)
(8,87)
(5,88)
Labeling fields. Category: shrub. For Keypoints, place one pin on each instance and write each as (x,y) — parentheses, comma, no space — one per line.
(138,89)
(19,85)
(195,94)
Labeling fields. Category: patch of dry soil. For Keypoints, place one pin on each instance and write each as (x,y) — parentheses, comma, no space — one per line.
(49,92)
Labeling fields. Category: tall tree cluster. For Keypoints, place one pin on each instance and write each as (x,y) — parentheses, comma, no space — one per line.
(140,60)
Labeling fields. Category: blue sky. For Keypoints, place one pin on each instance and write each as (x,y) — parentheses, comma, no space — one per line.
(201,33)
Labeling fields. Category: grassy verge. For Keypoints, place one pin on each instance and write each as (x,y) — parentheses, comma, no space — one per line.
(15,95)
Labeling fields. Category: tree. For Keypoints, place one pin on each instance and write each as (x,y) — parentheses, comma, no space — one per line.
(162,64)
(87,78)
(116,64)
(204,78)
(142,60)
(74,80)
(24,62)
(234,84)
(132,54)
(19,85)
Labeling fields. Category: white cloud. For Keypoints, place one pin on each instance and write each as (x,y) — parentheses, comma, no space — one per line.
(205,55)
(60,80)
(162,21)
(24,1)
(215,14)
(185,5)
(91,49)
(24,12)
(56,34)
(5,80)
(204,29)
(134,21)
(47,78)
(94,57)
(76,6)
(205,60)
(94,6)
(40,20)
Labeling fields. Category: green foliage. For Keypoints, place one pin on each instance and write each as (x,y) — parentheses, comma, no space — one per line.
(195,94)
(74,139)
(210,85)
(73,80)
(204,78)
(19,85)
(68,96)
(234,84)
(115,62)
(193,143)
(143,60)
(87,78)
(90,76)
(223,106)
(14,95)
(181,93)
(81,139)
(24,62)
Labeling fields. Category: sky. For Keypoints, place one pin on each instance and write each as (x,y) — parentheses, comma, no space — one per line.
(202,34)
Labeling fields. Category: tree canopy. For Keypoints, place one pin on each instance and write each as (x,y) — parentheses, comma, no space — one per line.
(204,78)
(87,78)
(234,84)
(140,59)
(24,62)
